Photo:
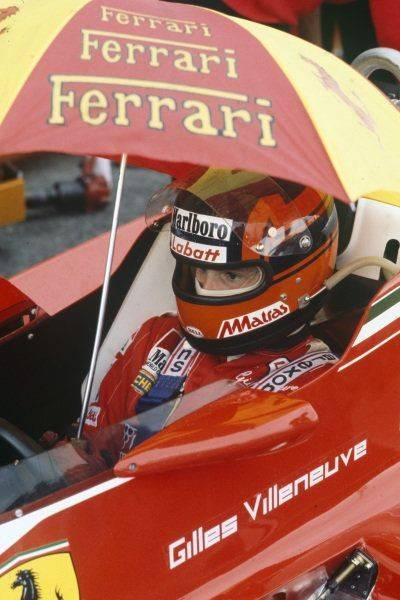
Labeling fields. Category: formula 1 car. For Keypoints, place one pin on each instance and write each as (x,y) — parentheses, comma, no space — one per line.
(243,493)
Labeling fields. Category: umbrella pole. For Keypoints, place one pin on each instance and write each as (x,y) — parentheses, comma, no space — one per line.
(104,295)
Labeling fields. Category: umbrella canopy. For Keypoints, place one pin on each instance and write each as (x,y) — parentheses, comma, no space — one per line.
(173,84)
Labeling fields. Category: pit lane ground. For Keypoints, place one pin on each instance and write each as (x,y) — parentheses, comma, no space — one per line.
(47,232)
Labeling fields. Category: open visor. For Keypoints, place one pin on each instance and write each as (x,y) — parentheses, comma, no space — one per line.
(233,210)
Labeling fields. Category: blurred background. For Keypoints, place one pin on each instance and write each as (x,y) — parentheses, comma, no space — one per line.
(49,203)
(58,213)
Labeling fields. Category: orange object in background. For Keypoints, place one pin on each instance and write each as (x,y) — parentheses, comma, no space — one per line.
(386,18)
(12,196)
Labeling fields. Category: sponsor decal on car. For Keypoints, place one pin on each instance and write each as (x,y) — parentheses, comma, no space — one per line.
(215,228)
(45,572)
(253,320)
(258,507)
(203,252)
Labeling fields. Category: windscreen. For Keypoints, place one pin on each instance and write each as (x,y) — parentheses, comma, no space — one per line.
(34,478)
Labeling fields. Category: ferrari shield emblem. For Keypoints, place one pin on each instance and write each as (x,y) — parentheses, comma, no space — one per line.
(46,572)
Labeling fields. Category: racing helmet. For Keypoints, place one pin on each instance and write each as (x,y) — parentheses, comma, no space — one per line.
(277,239)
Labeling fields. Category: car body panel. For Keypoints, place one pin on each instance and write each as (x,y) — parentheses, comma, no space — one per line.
(267,501)
(351,463)
(75,273)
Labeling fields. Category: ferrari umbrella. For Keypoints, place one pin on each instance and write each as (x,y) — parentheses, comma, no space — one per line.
(172,84)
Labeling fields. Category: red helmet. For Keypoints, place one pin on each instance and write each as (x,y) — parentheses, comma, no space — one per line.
(228,221)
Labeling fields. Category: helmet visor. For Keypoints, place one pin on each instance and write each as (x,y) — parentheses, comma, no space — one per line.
(221,212)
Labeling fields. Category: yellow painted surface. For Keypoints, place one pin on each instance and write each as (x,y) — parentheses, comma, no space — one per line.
(24,37)
(357,124)
(12,201)
(51,575)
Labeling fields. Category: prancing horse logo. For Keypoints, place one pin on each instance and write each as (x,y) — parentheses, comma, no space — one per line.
(27,579)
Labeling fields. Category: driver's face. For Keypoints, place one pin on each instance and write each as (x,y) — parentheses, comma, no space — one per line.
(231,279)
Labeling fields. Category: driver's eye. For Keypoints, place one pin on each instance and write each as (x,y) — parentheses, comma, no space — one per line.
(231,275)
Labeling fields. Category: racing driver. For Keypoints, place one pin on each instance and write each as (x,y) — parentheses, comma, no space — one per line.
(251,256)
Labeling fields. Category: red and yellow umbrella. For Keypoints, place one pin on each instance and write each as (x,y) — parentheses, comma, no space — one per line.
(172,84)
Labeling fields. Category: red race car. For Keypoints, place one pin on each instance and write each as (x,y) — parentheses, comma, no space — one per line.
(244,493)
(237,493)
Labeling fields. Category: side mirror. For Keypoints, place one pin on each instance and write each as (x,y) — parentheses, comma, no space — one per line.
(240,424)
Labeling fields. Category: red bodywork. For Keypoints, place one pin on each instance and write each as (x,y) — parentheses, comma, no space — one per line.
(254,495)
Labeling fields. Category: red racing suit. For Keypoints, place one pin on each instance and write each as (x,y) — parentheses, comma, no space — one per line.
(158,364)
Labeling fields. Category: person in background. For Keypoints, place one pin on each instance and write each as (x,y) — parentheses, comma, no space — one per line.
(347,28)
(344,27)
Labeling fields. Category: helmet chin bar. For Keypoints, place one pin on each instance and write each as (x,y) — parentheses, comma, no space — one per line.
(266,337)
(270,337)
